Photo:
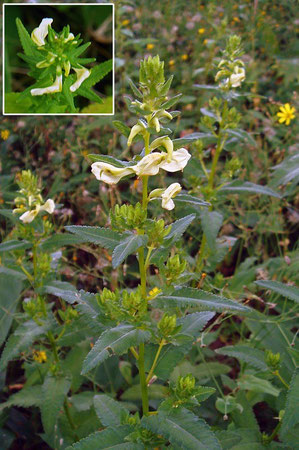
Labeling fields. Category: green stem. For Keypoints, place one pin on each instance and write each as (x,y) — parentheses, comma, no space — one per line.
(69,418)
(143,383)
(142,270)
(269,439)
(53,345)
(162,343)
(277,374)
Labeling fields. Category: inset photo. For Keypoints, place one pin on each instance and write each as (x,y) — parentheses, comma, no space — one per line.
(58,59)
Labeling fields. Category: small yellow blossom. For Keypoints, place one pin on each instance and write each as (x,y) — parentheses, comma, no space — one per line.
(171,62)
(205,41)
(150,46)
(184,57)
(125,22)
(236,19)
(201,30)
(153,293)
(40,356)
(286,114)
(5,134)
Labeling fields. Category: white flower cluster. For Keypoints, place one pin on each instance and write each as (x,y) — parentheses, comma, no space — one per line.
(38,36)
(30,215)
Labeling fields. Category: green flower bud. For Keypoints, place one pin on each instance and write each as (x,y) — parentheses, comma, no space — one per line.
(185,387)
(174,268)
(133,303)
(167,325)
(272,360)
(127,217)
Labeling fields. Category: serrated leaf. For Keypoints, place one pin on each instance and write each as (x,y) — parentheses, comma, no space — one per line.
(178,228)
(97,73)
(211,222)
(135,89)
(200,299)
(26,397)
(193,323)
(111,438)
(79,50)
(191,199)
(291,414)
(26,41)
(255,384)
(245,353)
(102,236)
(291,292)
(22,338)
(14,244)
(55,390)
(115,340)
(183,429)
(239,187)
(108,410)
(90,94)
(165,88)
(127,247)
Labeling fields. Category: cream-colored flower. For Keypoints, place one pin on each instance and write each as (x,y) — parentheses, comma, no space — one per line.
(29,216)
(164,141)
(108,173)
(39,34)
(166,195)
(178,161)
(136,129)
(149,164)
(169,193)
(82,75)
(237,77)
(55,87)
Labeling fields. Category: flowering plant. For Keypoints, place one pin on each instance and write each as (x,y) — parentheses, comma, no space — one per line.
(54,61)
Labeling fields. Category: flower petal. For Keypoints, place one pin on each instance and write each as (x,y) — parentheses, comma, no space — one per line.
(55,87)
(179,160)
(82,74)
(39,34)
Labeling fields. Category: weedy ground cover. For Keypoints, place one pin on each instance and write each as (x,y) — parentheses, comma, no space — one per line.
(149,261)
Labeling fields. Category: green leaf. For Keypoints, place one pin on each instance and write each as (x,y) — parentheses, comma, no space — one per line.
(239,187)
(183,429)
(69,96)
(108,159)
(22,338)
(97,73)
(227,405)
(211,222)
(26,41)
(102,236)
(189,138)
(291,292)
(9,246)
(255,384)
(127,247)
(178,228)
(60,240)
(17,274)
(206,371)
(111,438)
(291,414)
(135,89)
(155,392)
(191,199)
(171,102)
(247,418)
(26,397)
(196,297)
(90,94)
(55,390)
(108,410)
(10,290)
(115,340)
(245,353)
(192,324)
(124,129)
(166,86)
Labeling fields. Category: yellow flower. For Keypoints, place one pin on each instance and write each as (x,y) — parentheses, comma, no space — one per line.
(125,22)
(153,293)
(205,41)
(40,356)
(286,114)
(5,134)
(171,62)
(236,19)
(184,57)
(150,46)
(201,30)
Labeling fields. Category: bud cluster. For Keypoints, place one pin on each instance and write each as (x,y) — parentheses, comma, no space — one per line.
(167,326)
(174,268)
(127,217)
(272,360)
(128,306)
(156,232)
(231,71)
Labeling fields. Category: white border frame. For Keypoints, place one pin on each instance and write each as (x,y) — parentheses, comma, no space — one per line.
(113,59)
